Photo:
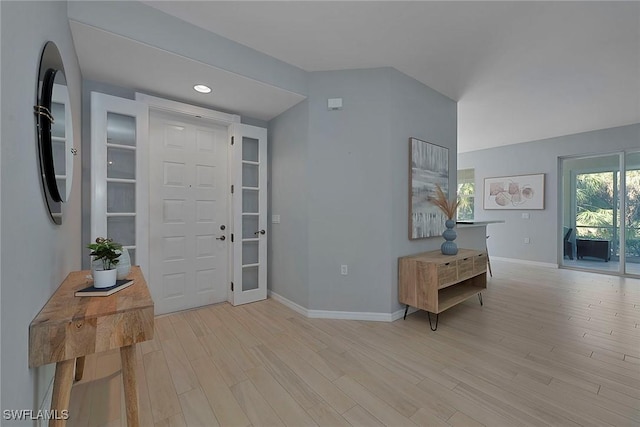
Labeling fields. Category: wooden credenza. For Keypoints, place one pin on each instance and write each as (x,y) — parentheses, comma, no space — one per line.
(68,328)
(435,282)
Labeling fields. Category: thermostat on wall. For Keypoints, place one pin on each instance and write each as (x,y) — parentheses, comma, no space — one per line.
(334,103)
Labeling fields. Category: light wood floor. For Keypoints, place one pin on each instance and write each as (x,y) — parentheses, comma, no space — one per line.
(549,347)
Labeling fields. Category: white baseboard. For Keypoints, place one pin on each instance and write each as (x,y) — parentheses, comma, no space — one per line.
(287,302)
(399,314)
(524,261)
(339,315)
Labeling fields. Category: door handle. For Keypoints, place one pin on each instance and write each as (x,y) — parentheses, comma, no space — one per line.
(221,238)
(259,232)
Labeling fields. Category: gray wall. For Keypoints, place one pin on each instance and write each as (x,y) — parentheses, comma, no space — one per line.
(288,197)
(349,191)
(421,112)
(507,240)
(354,189)
(36,254)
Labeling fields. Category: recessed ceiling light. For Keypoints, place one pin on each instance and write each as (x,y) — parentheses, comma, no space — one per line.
(202,88)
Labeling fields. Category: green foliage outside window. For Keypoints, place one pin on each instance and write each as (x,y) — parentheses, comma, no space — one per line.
(595,202)
(466,194)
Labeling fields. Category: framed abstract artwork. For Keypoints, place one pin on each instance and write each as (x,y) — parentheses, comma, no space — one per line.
(428,167)
(514,192)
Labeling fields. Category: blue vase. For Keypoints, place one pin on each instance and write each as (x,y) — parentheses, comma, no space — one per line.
(449,247)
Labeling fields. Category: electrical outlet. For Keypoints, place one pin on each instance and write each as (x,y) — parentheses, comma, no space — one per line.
(344,270)
(527,240)
(525,215)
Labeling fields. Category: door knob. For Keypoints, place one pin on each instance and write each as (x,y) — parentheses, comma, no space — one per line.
(221,238)
(259,232)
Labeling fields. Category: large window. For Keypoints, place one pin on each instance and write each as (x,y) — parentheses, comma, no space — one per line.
(595,205)
(601,212)
(632,212)
(466,193)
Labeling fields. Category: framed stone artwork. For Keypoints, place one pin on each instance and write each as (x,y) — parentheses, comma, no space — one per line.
(428,167)
(514,192)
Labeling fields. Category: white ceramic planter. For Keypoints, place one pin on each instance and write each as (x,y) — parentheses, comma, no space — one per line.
(104,278)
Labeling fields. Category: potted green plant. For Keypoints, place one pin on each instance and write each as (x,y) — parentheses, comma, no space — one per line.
(105,253)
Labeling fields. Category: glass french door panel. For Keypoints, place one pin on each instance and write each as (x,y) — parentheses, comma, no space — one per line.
(121,129)
(132,255)
(632,214)
(250,149)
(122,229)
(59,157)
(121,163)
(121,197)
(250,199)
(250,172)
(250,175)
(250,225)
(62,185)
(58,126)
(249,278)
(250,254)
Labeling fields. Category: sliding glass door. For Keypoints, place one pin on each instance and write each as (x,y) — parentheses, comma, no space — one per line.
(632,214)
(600,213)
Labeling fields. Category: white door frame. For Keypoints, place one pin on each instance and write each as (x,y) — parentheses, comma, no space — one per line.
(101,104)
(223,119)
(239,295)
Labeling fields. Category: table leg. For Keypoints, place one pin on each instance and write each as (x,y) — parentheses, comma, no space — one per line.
(62,383)
(127,356)
(79,368)
(430,324)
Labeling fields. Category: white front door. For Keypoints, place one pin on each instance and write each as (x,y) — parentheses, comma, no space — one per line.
(249,214)
(189,212)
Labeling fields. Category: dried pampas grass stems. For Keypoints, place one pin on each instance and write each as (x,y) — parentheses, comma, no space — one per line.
(447,206)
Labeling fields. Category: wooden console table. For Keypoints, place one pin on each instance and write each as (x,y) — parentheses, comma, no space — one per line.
(69,327)
(435,282)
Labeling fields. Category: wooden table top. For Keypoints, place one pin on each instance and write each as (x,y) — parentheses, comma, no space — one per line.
(70,326)
(437,256)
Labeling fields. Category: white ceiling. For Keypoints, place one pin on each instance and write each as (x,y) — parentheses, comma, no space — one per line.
(520,71)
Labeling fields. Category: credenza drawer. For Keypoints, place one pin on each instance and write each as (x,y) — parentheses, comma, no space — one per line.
(447,273)
(480,263)
(465,267)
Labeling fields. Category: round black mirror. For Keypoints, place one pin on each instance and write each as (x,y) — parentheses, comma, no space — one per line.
(55,131)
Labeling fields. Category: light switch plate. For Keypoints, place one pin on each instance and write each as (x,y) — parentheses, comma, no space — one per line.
(334,104)
(275,219)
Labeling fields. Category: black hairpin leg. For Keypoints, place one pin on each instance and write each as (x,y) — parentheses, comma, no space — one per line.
(405,312)
(430,324)
(480,298)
